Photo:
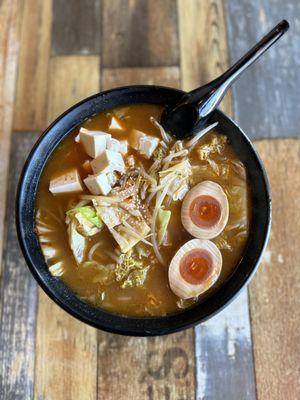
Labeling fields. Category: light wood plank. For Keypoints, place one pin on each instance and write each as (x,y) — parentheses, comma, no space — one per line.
(76,27)
(18,295)
(67,347)
(72,78)
(266,98)
(139,33)
(165,76)
(274,291)
(223,344)
(30,109)
(10,19)
(145,368)
(203,44)
(222,350)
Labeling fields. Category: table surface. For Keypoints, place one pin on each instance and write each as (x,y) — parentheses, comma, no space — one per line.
(54,53)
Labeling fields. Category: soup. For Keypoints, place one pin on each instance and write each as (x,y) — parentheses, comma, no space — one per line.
(137,223)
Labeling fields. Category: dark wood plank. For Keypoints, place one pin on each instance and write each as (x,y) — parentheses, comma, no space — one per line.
(266,98)
(139,33)
(274,291)
(18,295)
(146,368)
(223,344)
(76,27)
(224,359)
(33,69)
(165,76)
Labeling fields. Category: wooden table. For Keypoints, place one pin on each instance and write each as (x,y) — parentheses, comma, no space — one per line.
(54,53)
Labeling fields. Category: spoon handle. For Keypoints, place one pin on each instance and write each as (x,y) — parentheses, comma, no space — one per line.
(209,96)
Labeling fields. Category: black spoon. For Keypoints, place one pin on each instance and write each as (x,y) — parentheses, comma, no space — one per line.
(192,112)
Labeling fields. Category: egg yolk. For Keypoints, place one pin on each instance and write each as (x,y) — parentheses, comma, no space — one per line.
(205,211)
(196,266)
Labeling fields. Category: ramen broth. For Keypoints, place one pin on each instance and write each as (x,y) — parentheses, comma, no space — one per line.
(97,279)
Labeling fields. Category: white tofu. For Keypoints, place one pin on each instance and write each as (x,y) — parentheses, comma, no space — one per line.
(108,161)
(94,142)
(147,145)
(113,145)
(98,184)
(67,183)
(123,147)
(115,124)
(134,138)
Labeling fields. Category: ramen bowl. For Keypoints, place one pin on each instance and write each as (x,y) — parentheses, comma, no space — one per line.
(112,322)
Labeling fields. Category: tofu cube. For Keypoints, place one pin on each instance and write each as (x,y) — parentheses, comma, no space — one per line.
(108,161)
(87,166)
(115,124)
(97,184)
(134,138)
(147,145)
(67,183)
(123,147)
(94,142)
(113,145)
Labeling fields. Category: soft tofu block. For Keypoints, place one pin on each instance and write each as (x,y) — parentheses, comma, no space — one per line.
(67,183)
(108,161)
(115,124)
(113,145)
(112,178)
(98,184)
(147,145)
(94,142)
(134,138)
(123,147)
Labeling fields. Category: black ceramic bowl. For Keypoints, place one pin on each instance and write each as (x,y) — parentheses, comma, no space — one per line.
(62,295)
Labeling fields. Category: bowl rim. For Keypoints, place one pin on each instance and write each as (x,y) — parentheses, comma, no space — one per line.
(64,297)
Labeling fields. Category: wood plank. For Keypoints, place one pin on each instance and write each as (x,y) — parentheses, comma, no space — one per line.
(139,33)
(67,346)
(18,295)
(222,351)
(76,27)
(147,368)
(226,339)
(30,109)
(274,292)
(203,45)
(72,78)
(266,98)
(10,18)
(165,76)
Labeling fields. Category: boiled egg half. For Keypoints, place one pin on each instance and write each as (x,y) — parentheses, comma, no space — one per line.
(205,210)
(195,268)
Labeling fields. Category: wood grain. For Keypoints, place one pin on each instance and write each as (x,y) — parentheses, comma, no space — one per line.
(223,344)
(146,368)
(10,18)
(274,291)
(72,78)
(165,76)
(18,295)
(139,33)
(67,346)
(266,99)
(203,44)
(31,97)
(76,27)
